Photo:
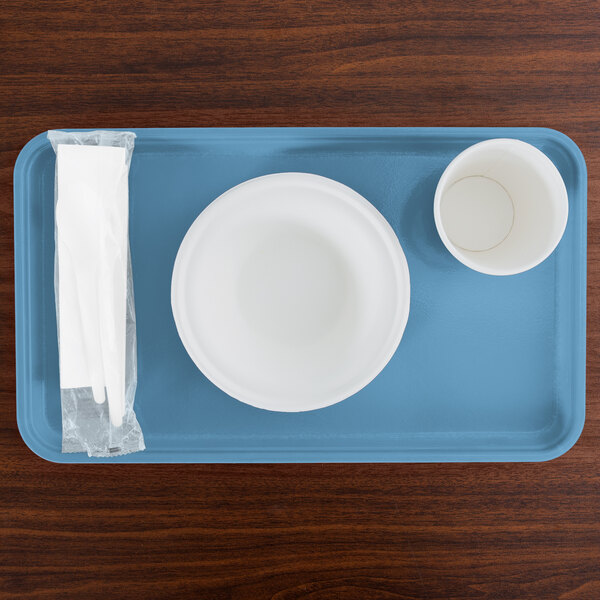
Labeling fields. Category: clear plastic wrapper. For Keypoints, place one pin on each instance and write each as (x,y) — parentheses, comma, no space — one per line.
(94,293)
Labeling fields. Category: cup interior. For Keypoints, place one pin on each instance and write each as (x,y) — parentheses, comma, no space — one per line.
(501,207)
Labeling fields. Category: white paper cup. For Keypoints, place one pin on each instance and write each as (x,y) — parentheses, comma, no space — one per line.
(501,207)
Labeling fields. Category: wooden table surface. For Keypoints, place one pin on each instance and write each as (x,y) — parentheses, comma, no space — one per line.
(290,532)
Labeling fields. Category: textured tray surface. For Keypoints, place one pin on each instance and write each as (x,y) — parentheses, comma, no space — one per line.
(490,368)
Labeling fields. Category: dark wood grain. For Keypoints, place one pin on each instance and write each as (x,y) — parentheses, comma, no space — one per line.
(291,532)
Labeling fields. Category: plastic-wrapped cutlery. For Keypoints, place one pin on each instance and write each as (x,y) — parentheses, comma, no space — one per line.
(92,287)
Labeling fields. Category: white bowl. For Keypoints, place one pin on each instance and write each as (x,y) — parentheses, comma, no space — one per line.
(290,292)
(501,207)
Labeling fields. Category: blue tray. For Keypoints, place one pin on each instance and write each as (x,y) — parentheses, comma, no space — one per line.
(489,369)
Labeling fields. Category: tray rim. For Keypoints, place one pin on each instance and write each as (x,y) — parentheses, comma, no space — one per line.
(40,447)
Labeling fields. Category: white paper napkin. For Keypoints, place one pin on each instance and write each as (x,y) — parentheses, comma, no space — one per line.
(92,244)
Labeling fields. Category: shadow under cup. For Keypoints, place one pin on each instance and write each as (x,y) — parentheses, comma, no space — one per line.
(501,207)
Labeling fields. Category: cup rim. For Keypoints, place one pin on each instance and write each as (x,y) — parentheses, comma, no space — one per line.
(455,250)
